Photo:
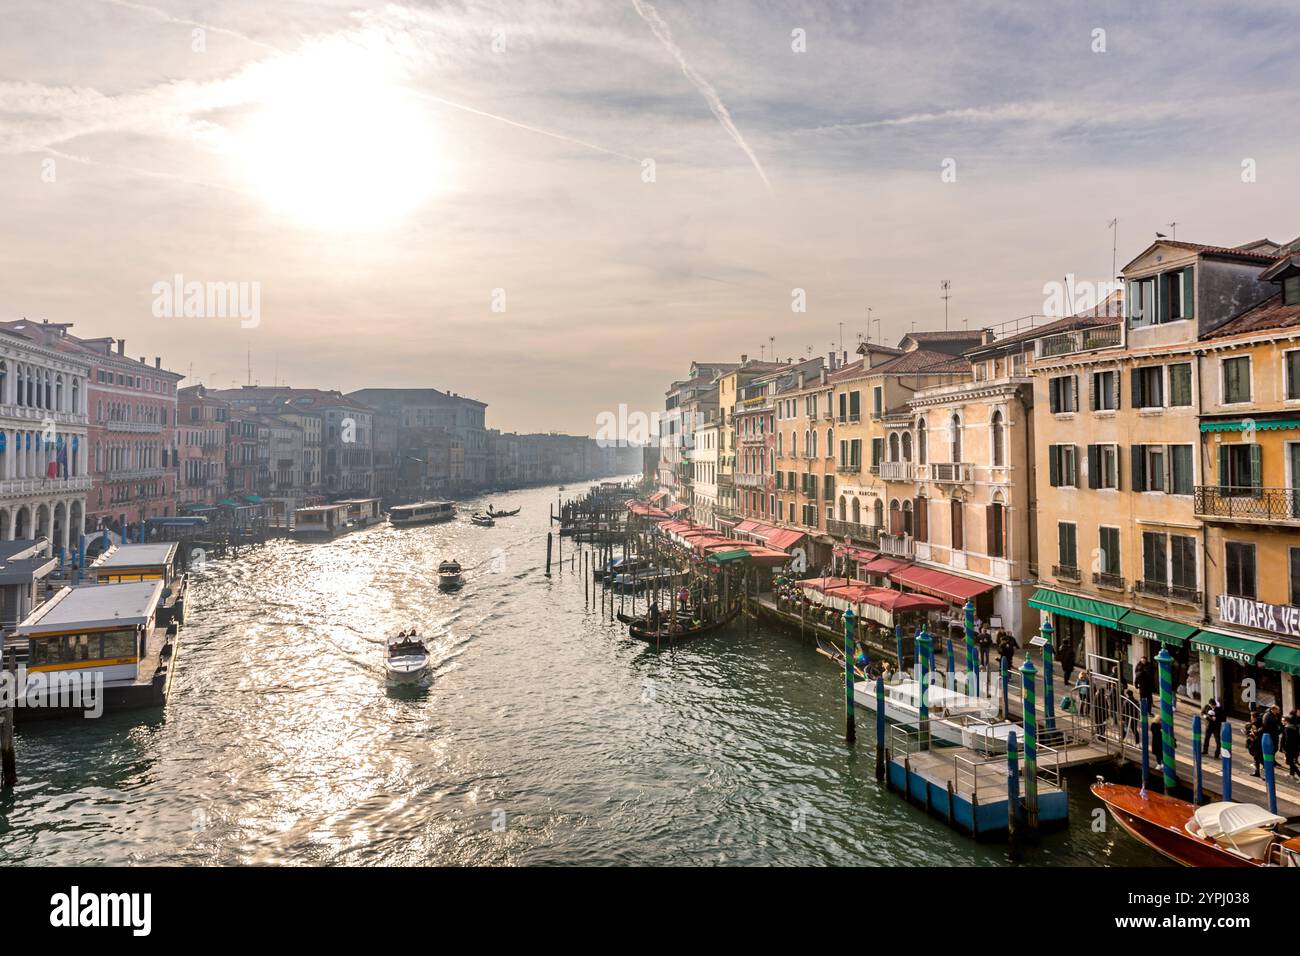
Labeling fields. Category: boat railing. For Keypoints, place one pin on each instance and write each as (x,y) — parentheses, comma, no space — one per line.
(908,739)
(967,764)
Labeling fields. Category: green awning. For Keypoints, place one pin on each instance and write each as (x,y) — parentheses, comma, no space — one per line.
(727,557)
(200,507)
(253,499)
(229,503)
(1240,649)
(1083,609)
(1259,424)
(1280,657)
(1156,628)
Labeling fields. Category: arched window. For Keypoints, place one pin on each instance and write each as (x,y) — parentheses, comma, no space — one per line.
(907,516)
(4,380)
(76,394)
(878,513)
(995,427)
(895,518)
(830,443)
(794,444)
(996,527)
(857,511)
(812,443)
(907,446)
(780,444)
(22,385)
(58,392)
(954,439)
(893,447)
(843,508)
(920,442)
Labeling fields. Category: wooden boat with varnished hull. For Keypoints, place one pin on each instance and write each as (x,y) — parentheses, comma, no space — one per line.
(1171,827)
(643,633)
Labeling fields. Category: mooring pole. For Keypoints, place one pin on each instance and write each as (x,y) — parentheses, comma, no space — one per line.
(1225,735)
(1027,674)
(923,655)
(880,728)
(1196,758)
(1049,691)
(972,661)
(1146,745)
(1013,796)
(951,665)
(1270,773)
(1006,689)
(1166,660)
(548,554)
(850,728)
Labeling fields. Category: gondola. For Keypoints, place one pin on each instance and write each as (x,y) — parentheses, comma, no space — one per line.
(642,633)
(502,514)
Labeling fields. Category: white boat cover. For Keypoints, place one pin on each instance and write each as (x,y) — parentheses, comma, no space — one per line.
(1229,819)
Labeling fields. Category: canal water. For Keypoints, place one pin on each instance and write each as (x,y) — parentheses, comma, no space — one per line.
(544,737)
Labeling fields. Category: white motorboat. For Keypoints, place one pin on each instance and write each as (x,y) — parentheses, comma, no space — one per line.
(449,574)
(482,520)
(954,717)
(407,659)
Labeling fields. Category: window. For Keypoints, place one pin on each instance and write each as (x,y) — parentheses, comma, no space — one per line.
(1063,394)
(1294,554)
(1067,545)
(999,441)
(877,452)
(1108,550)
(958,526)
(855,406)
(1239,561)
(1147,387)
(995,519)
(921,444)
(1155,560)
(1104,394)
(1181,479)
(1182,563)
(955,442)
(1148,467)
(1291,290)
(877,401)
(1159,299)
(1292,362)
(1062,466)
(1240,469)
(1103,466)
(1180,384)
(1236,380)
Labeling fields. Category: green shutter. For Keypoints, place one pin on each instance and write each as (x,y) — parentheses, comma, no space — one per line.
(1256,466)
(1135,381)
(1053,466)
(1223,466)
(1139,467)
(1094,466)
(1188,291)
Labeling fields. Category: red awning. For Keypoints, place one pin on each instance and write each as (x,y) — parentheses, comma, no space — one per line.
(953,588)
(678,508)
(645,510)
(657,496)
(854,554)
(883,565)
(822,584)
(781,539)
(746,526)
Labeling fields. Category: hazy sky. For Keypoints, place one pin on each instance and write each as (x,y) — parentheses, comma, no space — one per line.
(382,171)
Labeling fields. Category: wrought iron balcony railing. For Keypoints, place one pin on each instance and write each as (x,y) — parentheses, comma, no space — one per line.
(1104,579)
(867,533)
(1080,340)
(1174,592)
(1237,502)
(1065,572)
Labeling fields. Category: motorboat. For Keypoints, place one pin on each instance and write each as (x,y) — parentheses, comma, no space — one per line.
(407,659)
(952,715)
(1217,834)
(482,520)
(449,573)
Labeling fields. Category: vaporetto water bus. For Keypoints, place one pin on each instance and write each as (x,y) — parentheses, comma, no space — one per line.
(423,512)
(321,521)
(126,563)
(98,644)
(362,512)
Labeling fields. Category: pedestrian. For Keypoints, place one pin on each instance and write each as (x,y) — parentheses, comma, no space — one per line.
(1157,742)
(1082,690)
(1132,709)
(1006,649)
(1145,679)
(1255,746)
(1213,714)
(1065,654)
(1291,744)
(985,641)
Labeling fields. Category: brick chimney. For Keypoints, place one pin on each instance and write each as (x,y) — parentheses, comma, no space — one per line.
(121,346)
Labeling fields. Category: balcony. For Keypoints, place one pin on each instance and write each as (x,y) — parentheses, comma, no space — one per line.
(896,470)
(1171,592)
(849,468)
(809,491)
(896,545)
(21,487)
(121,425)
(1104,579)
(1080,340)
(137,474)
(953,472)
(866,533)
(744,480)
(1064,572)
(1234,503)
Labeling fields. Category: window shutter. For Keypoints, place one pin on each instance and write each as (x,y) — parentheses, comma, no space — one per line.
(1139,467)
(1136,389)
(1188,308)
(958,532)
(1092,391)
(1169,469)
(1054,465)
(1074,393)
(1074,465)
(922,519)
(895,521)
(1256,466)
(1116,390)
(990,531)
(1119,468)
(1223,466)
(1094,466)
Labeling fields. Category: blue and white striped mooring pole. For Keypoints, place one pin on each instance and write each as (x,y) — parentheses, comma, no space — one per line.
(1225,737)
(1166,662)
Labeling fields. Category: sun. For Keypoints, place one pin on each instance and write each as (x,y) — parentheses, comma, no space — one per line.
(337,142)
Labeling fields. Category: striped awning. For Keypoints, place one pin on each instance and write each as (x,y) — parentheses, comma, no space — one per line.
(1091,610)
(1246,424)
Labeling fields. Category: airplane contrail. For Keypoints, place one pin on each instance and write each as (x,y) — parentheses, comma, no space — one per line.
(171,18)
(660,29)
